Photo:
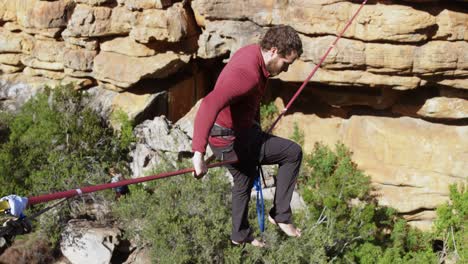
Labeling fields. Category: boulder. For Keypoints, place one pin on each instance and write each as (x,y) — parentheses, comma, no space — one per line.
(77,83)
(299,71)
(17,89)
(225,37)
(10,68)
(13,59)
(55,75)
(452,25)
(347,54)
(140,255)
(98,21)
(456,83)
(7,10)
(171,25)
(48,50)
(389,58)
(124,71)
(161,134)
(32,62)
(443,107)
(441,57)
(87,43)
(160,144)
(135,104)
(127,46)
(79,59)
(15,42)
(43,14)
(84,242)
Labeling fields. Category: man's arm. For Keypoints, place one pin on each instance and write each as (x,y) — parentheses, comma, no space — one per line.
(229,87)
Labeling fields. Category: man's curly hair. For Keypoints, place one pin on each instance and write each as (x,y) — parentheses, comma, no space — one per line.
(284,38)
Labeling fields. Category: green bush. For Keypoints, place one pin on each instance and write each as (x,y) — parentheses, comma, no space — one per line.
(451,225)
(55,143)
(298,135)
(125,128)
(339,195)
(268,113)
(184,220)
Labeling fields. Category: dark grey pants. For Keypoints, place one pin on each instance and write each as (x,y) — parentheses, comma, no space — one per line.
(256,147)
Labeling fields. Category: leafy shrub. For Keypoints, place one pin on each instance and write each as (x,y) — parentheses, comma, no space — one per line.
(125,128)
(268,113)
(452,225)
(298,135)
(330,185)
(183,220)
(339,195)
(55,143)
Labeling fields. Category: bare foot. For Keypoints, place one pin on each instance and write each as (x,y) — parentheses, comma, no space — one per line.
(254,242)
(288,229)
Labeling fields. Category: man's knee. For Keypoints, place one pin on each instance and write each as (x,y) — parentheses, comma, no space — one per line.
(295,153)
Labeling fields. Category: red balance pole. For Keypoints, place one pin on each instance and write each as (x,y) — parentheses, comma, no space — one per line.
(89,189)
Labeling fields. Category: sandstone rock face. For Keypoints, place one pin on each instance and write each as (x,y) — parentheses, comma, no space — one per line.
(170,25)
(384,40)
(127,46)
(125,70)
(43,14)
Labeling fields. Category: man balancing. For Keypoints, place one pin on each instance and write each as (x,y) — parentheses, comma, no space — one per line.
(228,120)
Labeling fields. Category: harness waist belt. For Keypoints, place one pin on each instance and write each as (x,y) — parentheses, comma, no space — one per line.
(219,131)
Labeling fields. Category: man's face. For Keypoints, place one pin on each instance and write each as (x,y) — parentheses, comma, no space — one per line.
(279,63)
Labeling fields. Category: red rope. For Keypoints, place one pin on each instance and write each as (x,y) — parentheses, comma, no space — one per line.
(89,189)
(316,68)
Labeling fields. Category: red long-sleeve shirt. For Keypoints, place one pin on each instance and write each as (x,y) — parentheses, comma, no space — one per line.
(235,100)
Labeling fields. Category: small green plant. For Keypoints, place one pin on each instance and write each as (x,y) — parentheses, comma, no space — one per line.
(125,128)
(298,135)
(268,113)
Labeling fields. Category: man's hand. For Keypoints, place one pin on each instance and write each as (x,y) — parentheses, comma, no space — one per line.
(17,204)
(199,165)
